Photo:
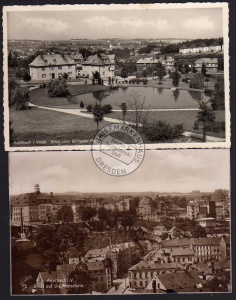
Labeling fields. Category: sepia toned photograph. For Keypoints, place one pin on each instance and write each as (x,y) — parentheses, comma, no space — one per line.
(71,70)
(163,229)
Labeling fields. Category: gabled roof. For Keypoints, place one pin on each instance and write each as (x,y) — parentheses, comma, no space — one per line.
(143,265)
(203,45)
(97,252)
(48,276)
(46,60)
(98,60)
(181,281)
(183,47)
(214,44)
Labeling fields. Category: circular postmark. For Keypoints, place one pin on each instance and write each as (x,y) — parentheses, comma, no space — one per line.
(118,156)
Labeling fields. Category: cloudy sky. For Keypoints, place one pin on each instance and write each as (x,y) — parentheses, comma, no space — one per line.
(126,23)
(161,171)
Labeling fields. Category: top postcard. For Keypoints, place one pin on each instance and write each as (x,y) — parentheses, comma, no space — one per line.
(86,77)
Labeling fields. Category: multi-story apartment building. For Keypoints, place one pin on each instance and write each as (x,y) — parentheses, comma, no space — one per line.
(205,249)
(52,66)
(100,63)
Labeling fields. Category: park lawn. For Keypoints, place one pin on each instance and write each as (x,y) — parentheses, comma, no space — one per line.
(39,96)
(39,124)
(187,118)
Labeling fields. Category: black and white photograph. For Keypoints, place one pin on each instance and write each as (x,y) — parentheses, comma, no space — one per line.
(71,70)
(163,229)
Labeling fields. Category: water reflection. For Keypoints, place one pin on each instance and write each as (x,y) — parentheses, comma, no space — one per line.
(176,94)
(159,90)
(157,97)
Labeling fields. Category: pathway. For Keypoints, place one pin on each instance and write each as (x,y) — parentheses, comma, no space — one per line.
(80,113)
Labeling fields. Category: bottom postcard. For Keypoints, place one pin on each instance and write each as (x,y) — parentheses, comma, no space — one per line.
(164,228)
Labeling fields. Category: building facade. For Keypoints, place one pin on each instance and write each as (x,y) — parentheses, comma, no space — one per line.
(52,66)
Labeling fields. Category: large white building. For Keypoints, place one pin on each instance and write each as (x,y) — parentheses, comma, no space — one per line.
(52,66)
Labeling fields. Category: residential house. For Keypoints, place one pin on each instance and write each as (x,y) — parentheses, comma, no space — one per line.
(180,282)
(146,209)
(203,48)
(211,64)
(104,253)
(183,49)
(204,248)
(100,63)
(143,272)
(159,230)
(52,66)
(169,62)
(214,47)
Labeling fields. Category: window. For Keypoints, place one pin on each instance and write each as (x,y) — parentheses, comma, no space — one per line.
(43,69)
(69,67)
(60,67)
(44,76)
(51,68)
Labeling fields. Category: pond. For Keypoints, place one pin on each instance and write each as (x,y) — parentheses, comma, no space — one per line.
(154,97)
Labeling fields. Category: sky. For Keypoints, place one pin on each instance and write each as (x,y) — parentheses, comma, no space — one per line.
(161,171)
(97,24)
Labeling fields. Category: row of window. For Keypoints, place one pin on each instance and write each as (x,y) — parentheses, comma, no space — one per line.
(54,68)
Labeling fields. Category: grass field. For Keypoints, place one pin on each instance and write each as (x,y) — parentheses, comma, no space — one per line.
(38,124)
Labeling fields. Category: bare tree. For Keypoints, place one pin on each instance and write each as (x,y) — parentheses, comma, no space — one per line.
(137,111)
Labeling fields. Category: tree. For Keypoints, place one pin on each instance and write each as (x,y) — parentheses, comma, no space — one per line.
(218,96)
(161,131)
(57,88)
(65,214)
(197,81)
(96,77)
(21,99)
(89,108)
(124,110)
(176,77)
(107,108)
(160,71)
(203,69)
(12,89)
(137,112)
(27,77)
(124,73)
(81,104)
(199,231)
(65,76)
(87,213)
(205,116)
(187,68)
(103,215)
(127,218)
(97,114)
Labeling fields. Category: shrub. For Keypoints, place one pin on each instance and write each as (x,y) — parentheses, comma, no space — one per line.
(107,109)
(207,92)
(197,81)
(21,99)
(89,108)
(57,88)
(81,104)
(162,131)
